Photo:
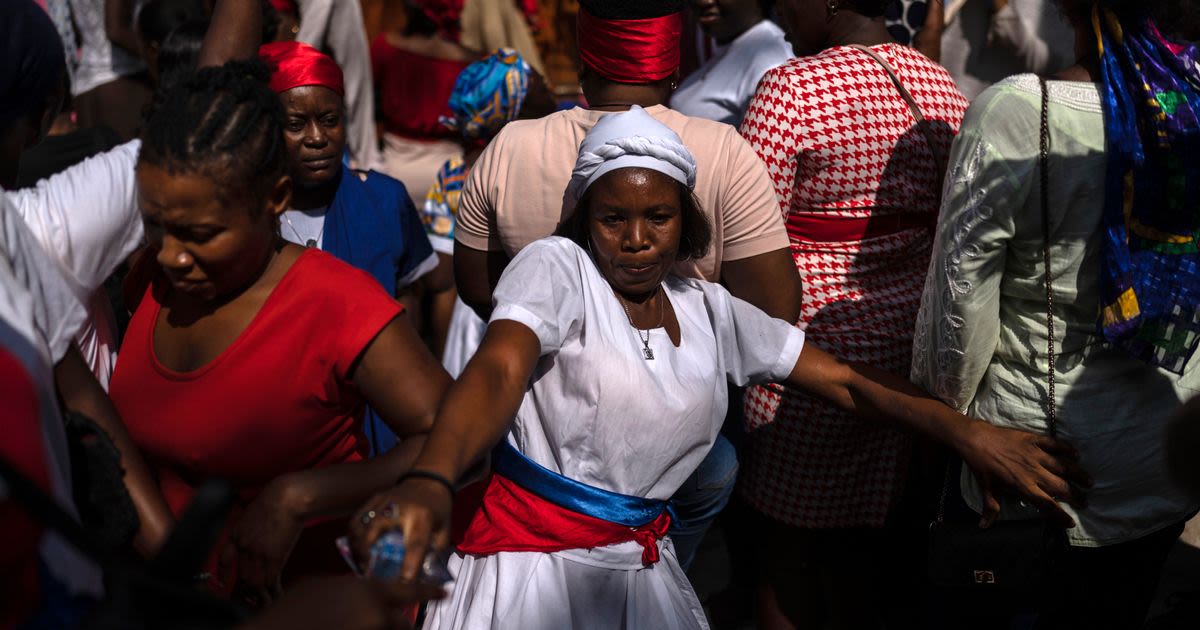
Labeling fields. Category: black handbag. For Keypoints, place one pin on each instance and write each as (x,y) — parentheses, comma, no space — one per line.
(1014,561)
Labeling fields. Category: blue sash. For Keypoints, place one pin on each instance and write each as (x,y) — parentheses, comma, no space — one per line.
(573,495)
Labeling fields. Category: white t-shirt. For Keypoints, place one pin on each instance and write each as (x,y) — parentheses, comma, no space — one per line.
(721,89)
(100,60)
(304,226)
(39,314)
(598,412)
(87,219)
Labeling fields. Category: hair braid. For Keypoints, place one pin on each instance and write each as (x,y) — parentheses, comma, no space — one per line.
(223,122)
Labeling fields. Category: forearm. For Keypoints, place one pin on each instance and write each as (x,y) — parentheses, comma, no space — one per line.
(475,416)
(876,393)
(873,393)
(234,33)
(338,490)
(82,394)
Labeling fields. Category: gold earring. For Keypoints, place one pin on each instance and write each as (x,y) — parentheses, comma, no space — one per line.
(832,7)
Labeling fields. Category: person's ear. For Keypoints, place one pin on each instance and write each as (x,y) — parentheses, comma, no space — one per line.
(280,197)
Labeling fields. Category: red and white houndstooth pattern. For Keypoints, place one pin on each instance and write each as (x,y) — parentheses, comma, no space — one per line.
(840,141)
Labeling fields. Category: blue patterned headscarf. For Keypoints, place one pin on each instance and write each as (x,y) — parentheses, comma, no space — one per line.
(488,95)
(1150,287)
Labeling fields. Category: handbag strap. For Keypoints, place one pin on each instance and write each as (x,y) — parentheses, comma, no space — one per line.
(1044,194)
(1044,168)
(939,157)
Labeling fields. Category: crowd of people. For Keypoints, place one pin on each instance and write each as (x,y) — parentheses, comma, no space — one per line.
(303,330)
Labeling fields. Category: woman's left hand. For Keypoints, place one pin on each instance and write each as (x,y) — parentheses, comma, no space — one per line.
(1037,468)
(260,544)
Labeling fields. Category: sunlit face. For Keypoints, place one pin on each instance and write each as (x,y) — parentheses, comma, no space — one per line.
(635,222)
(315,132)
(210,245)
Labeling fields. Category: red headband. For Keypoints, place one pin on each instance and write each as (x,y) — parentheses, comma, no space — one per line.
(285,6)
(630,51)
(294,64)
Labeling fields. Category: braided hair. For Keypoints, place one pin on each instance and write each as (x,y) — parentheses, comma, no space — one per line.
(221,122)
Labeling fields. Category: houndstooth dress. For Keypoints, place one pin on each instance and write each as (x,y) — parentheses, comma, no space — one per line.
(844,153)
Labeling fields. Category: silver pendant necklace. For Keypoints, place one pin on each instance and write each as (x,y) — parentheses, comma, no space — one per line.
(310,243)
(647,353)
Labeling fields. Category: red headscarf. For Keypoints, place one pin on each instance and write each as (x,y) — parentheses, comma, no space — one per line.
(446,14)
(285,6)
(630,51)
(295,64)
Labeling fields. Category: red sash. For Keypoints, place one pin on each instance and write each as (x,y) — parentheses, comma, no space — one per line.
(510,518)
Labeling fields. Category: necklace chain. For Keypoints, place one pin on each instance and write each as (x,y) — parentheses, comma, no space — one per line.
(312,242)
(646,351)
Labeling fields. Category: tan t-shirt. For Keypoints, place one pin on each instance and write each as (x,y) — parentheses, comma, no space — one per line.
(516,192)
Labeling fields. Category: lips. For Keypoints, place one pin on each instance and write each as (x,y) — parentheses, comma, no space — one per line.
(319,163)
(638,269)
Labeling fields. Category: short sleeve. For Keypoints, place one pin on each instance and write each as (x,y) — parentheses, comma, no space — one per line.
(476,226)
(754,347)
(752,221)
(418,258)
(86,217)
(359,320)
(543,288)
(41,294)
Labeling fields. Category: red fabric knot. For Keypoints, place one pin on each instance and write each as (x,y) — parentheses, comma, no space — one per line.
(630,51)
(296,64)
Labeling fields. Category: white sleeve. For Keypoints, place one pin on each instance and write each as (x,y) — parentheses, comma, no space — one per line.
(41,296)
(754,347)
(86,218)
(543,288)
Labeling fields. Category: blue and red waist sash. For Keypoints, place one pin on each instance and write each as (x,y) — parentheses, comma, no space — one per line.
(525,507)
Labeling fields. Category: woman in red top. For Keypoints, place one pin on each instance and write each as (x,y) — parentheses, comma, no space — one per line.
(251,359)
(415,70)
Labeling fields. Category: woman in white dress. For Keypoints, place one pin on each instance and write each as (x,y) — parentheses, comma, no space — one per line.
(603,379)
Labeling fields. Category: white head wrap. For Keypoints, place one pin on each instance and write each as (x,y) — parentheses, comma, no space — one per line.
(630,139)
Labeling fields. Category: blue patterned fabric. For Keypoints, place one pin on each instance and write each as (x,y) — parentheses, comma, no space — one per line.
(488,95)
(1150,285)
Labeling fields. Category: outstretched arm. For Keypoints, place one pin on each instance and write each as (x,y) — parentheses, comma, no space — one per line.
(475,415)
(1037,467)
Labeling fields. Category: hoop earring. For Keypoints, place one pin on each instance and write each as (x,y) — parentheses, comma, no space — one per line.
(831,6)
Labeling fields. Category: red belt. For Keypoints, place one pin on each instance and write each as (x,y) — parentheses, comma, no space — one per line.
(823,227)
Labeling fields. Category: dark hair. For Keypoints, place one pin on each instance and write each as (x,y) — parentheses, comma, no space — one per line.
(693,242)
(157,18)
(179,51)
(271,21)
(1082,9)
(222,122)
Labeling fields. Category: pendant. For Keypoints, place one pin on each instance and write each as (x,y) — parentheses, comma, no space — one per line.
(648,353)
(312,242)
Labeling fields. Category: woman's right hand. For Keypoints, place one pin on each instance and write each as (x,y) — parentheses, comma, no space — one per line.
(1039,469)
(418,508)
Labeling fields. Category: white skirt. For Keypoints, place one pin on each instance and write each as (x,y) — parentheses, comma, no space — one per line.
(606,588)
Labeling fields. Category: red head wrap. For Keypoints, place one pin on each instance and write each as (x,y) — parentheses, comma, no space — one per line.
(285,6)
(295,64)
(446,14)
(630,51)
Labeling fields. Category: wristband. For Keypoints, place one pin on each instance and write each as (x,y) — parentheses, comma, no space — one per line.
(425,474)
